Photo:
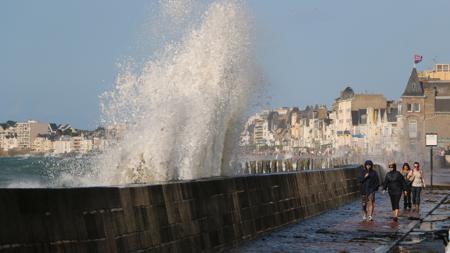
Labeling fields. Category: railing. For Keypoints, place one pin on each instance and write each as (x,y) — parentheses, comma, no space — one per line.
(293,164)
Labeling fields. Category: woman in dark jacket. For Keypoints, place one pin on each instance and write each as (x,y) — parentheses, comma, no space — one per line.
(407,195)
(395,184)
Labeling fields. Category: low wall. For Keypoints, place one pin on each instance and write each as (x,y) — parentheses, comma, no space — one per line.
(193,216)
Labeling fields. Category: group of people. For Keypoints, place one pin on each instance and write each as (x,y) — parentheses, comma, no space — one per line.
(407,182)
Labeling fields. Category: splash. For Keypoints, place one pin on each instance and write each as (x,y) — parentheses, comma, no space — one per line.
(176,10)
(182,109)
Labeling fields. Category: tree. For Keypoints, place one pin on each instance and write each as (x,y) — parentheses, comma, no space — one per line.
(11,123)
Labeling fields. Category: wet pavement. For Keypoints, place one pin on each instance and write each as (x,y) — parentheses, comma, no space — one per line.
(342,230)
(430,235)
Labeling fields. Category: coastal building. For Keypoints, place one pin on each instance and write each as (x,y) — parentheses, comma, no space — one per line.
(341,117)
(60,129)
(42,144)
(425,108)
(314,126)
(28,131)
(8,136)
(62,145)
(99,144)
(363,123)
(261,133)
(75,144)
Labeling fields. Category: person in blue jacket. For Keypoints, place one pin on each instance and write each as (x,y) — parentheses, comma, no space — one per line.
(369,185)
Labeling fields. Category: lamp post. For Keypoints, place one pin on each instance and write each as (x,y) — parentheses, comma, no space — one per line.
(431,140)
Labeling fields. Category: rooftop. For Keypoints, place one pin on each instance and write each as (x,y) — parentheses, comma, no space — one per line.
(414,86)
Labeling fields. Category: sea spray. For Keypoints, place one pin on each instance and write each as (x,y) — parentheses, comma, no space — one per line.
(182,109)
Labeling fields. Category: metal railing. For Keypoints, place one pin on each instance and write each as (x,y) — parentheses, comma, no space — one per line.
(293,164)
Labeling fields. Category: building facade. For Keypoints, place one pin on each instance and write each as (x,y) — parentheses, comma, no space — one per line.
(425,108)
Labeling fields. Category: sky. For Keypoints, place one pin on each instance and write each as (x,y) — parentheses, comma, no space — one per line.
(57,57)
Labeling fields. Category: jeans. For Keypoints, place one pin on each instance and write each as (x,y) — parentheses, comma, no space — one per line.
(416,195)
(407,199)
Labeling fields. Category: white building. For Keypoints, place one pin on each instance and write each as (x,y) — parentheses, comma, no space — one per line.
(28,131)
(42,144)
(62,145)
(365,124)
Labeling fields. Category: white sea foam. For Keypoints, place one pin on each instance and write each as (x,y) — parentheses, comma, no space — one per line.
(182,109)
(25,184)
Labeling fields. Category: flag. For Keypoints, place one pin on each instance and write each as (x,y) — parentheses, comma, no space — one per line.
(417,58)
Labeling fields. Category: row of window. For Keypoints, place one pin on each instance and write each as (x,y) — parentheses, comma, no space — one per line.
(441,105)
(443,68)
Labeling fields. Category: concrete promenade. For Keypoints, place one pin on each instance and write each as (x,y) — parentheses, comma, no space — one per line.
(342,230)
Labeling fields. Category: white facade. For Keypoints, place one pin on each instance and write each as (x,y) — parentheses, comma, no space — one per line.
(28,131)
(42,145)
(62,146)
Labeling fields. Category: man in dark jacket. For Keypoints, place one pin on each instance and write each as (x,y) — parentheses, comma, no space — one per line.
(396,185)
(369,185)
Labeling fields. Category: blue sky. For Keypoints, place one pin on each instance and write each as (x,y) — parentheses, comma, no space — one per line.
(57,57)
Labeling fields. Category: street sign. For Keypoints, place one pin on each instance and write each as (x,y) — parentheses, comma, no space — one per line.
(431,139)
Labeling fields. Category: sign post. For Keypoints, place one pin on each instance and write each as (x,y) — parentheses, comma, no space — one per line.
(431,140)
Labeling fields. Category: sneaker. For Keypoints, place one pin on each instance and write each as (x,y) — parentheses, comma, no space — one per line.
(364,217)
(395,219)
(370,218)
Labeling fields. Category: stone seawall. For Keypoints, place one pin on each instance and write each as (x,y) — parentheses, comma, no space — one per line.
(193,216)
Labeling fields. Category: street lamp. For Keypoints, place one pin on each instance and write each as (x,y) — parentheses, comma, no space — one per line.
(431,140)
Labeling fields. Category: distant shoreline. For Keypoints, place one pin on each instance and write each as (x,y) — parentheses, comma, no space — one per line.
(18,154)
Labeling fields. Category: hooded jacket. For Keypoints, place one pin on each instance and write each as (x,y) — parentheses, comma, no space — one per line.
(370,183)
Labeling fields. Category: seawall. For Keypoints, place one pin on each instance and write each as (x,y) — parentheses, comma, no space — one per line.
(193,216)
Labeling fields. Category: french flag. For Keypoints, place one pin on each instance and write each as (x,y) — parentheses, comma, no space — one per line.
(417,58)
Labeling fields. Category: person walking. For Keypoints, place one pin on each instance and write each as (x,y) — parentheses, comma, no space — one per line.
(395,184)
(407,193)
(369,185)
(417,178)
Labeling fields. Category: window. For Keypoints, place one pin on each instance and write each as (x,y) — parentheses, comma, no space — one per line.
(364,119)
(442,104)
(442,67)
(414,107)
(412,127)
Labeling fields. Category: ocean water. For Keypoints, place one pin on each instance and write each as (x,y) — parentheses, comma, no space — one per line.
(183,109)
(39,172)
